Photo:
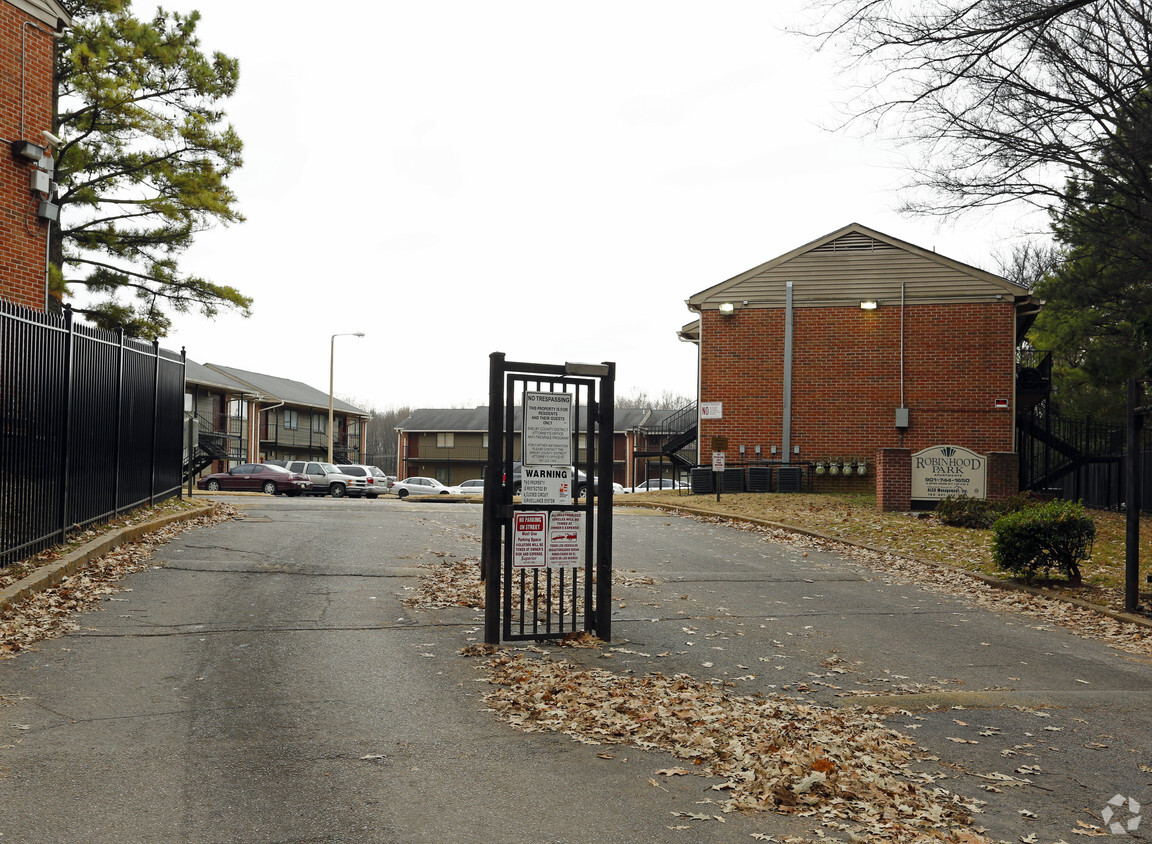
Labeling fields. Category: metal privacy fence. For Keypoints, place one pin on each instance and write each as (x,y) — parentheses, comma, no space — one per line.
(90,426)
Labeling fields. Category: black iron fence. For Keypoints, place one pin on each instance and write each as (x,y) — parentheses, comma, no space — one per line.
(90,426)
(1078,459)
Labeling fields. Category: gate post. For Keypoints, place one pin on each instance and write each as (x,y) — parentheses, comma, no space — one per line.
(490,548)
(603,488)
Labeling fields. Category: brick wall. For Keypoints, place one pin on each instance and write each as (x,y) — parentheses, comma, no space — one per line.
(894,480)
(1003,478)
(958,359)
(25,111)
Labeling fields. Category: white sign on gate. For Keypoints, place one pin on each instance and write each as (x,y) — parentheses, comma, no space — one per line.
(945,470)
(565,539)
(545,485)
(529,533)
(547,429)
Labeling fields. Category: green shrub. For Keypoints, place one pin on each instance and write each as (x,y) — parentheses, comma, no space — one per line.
(965,512)
(1021,501)
(1057,534)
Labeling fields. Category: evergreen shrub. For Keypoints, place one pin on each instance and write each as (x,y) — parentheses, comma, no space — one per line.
(965,512)
(1055,535)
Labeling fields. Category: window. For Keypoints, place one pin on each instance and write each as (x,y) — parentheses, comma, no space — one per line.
(238,408)
(445,440)
(319,423)
(485,443)
(291,420)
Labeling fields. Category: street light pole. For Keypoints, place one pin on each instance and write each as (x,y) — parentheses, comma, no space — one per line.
(331,375)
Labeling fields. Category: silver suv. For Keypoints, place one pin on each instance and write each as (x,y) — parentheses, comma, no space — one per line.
(326,478)
(377,483)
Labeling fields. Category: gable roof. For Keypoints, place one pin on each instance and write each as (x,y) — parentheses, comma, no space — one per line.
(197,373)
(475,420)
(46,11)
(284,389)
(857,263)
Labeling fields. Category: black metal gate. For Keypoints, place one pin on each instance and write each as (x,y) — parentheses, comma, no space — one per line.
(549,601)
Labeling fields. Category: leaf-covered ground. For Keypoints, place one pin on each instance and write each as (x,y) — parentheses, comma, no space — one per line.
(842,767)
(52,612)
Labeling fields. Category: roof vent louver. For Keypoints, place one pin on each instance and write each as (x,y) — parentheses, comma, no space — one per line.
(855,243)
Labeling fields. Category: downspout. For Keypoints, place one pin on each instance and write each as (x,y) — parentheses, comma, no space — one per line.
(902,404)
(787,410)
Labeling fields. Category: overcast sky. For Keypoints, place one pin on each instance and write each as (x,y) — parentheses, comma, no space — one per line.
(547,180)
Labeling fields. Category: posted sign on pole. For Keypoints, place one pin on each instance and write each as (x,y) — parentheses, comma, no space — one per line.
(546,485)
(547,429)
(543,539)
(529,531)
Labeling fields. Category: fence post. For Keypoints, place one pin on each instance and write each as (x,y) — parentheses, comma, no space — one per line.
(66,423)
(1133,503)
(117,447)
(155,420)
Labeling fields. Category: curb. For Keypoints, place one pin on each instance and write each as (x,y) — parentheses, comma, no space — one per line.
(48,576)
(989,580)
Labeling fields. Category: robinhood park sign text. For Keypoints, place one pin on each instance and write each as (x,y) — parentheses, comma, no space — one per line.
(945,470)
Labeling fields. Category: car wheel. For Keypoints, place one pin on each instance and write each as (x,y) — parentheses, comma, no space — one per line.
(213,486)
(516,489)
(443,492)
(270,487)
(582,492)
(337,490)
(402,493)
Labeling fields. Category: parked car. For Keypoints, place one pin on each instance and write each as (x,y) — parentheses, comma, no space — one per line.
(274,480)
(472,487)
(419,486)
(580,484)
(655,484)
(327,479)
(376,482)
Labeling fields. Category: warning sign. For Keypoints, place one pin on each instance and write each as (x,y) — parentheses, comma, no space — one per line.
(529,530)
(547,429)
(565,540)
(541,485)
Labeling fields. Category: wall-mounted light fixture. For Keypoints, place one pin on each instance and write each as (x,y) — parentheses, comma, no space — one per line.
(27,149)
(868,305)
(727,309)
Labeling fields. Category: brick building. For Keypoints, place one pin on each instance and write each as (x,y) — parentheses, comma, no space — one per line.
(854,343)
(28,31)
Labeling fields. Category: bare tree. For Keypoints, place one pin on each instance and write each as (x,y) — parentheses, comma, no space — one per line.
(667,400)
(1028,262)
(1009,100)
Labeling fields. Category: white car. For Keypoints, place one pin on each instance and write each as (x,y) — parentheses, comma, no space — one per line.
(656,484)
(419,486)
(472,487)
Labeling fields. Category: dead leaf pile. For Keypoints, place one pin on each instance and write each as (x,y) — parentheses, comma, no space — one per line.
(456,583)
(772,753)
(48,613)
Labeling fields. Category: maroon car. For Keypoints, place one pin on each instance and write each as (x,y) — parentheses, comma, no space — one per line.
(257,477)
